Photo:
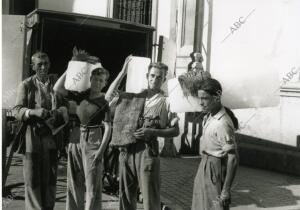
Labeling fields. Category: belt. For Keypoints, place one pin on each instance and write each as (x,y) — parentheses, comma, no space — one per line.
(87,129)
(210,155)
(206,153)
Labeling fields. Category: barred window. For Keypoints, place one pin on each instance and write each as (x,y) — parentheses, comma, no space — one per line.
(137,11)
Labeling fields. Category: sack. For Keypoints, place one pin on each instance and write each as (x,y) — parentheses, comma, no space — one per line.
(78,75)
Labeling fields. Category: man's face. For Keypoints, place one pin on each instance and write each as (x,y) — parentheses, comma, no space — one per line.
(207,101)
(41,67)
(98,82)
(156,78)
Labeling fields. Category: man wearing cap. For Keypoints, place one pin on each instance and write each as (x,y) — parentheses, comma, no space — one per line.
(36,102)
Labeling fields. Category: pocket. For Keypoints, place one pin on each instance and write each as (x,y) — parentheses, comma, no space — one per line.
(151,164)
(32,169)
(94,136)
(213,175)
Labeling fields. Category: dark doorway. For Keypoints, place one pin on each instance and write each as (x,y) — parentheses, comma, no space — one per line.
(112,47)
(109,39)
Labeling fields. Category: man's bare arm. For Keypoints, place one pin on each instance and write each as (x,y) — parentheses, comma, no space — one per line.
(167,132)
(105,140)
(59,86)
(116,83)
(232,163)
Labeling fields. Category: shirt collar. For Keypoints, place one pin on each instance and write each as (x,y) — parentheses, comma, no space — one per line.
(208,117)
(41,83)
(220,114)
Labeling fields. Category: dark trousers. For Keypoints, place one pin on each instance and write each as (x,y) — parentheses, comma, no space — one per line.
(40,173)
(139,167)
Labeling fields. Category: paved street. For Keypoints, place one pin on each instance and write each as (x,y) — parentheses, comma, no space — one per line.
(253,188)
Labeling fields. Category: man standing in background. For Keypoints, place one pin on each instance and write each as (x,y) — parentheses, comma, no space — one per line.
(37,102)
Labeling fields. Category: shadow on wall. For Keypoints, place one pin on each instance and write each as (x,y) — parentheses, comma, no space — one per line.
(261,153)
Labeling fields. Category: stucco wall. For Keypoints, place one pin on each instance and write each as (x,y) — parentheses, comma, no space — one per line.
(255,50)
(254,45)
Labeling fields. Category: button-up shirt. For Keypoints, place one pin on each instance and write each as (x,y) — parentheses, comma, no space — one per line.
(218,136)
(157,108)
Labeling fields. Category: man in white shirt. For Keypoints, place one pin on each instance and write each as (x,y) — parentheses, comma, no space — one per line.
(218,150)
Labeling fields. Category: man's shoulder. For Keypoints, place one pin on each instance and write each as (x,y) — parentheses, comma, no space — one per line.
(101,100)
(28,81)
(225,122)
(53,77)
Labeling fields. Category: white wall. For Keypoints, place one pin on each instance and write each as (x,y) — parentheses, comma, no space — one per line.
(88,7)
(254,58)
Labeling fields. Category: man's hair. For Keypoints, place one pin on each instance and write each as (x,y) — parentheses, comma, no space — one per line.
(158,65)
(40,55)
(214,88)
(211,86)
(100,71)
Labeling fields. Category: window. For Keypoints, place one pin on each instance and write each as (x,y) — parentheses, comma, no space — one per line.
(137,11)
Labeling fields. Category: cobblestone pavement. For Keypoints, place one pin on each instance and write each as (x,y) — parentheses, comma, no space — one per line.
(253,188)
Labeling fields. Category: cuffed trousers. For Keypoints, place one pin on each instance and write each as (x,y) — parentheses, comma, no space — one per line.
(82,176)
(139,167)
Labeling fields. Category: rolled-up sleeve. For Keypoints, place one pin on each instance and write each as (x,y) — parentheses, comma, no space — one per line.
(226,137)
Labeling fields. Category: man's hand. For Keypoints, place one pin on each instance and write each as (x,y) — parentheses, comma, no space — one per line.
(97,159)
(225,197)
(142,133)
(125,65)
(64,111)
(40,113)
(174,121)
